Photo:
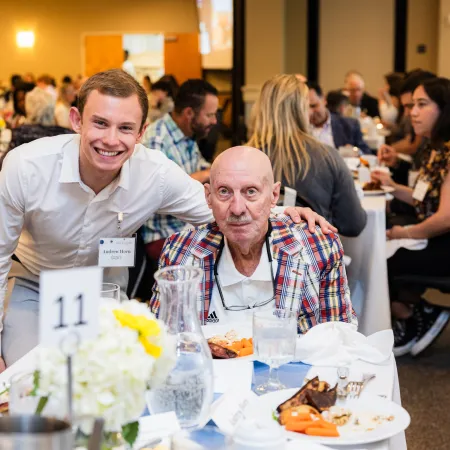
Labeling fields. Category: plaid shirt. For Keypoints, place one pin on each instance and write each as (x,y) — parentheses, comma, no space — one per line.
(164,135)
(310,273)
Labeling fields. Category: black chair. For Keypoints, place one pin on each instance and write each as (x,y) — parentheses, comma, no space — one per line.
(423,282)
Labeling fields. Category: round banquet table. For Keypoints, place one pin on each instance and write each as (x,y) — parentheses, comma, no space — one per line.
(367,272)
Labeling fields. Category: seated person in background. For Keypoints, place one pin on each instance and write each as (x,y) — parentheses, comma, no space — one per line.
(160,100)
(332,129)
(67,96)
(337,102)
(175,135)
(416,327)
(388,99)
(252,259)
(40,119)
(317,172)
(355,88)
(18,117)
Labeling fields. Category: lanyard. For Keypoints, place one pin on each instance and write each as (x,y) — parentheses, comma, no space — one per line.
(219,255)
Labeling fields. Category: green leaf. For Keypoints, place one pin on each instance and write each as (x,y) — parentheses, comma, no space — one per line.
(130,432)
(36,378)
(274,416)
(41,405)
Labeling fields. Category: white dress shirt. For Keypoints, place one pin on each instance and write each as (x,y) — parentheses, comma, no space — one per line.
(324,133)
(239,289)
(51,220)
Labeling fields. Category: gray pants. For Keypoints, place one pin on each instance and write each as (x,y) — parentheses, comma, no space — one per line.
(21,320)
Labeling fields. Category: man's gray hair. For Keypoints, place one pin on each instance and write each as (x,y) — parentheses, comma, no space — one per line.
(40,107)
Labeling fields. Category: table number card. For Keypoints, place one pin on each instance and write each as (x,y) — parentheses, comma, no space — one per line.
(69,304)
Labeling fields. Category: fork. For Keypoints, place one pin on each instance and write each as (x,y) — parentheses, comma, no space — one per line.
(354,388)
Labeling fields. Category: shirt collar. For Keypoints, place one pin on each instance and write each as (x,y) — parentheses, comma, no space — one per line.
(70,170)
(229,275)
(325,126)
(174,130)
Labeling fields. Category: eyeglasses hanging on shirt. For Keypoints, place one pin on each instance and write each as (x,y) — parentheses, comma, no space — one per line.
(219,287)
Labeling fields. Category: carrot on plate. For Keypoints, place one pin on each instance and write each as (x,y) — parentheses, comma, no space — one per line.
(299,426)
(300,417)
(246,351)
(319,431)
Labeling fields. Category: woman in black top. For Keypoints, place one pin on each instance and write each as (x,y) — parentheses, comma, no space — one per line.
(317,172)
(415,328)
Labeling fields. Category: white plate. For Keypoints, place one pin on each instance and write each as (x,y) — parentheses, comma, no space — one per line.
(382,191)
(243,330)
(367,404)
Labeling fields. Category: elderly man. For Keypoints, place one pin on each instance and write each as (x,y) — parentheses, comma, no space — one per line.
(355,87)
(252,259)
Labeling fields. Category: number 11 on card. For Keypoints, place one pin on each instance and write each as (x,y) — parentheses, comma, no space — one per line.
(80,321)
(69,303)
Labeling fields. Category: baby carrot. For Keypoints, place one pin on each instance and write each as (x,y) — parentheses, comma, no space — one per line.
(299,426)
(300,417)
(321,432)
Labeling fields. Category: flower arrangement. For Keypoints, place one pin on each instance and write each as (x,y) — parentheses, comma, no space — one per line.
(111,373)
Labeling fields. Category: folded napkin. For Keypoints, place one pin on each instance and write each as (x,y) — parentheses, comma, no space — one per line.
(338,344)
(411,244)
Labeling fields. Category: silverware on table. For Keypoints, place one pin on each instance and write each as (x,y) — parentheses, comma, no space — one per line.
(354,388)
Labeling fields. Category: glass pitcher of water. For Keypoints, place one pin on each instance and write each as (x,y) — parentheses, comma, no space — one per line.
(188,390)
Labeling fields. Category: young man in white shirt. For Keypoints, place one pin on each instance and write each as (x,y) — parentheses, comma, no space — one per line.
(59,196)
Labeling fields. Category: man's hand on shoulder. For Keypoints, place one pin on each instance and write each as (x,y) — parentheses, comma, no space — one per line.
(307,214)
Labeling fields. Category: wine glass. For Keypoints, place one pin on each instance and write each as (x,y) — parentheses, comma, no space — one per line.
(274,339)
(110,291)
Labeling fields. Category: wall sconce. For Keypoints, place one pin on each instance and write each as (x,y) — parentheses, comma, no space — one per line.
(25,39)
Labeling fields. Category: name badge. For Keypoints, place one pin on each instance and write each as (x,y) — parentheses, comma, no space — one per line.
(117,252)
(421,190)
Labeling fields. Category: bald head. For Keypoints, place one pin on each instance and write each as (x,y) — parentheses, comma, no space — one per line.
(241,194)
(354,85)
(243,159)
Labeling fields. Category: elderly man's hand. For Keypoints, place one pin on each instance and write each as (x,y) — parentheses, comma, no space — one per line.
(297,214)
(2,365)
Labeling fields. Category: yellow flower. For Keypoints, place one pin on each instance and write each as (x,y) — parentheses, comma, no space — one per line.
(145,327)
(2,123)
(150,348)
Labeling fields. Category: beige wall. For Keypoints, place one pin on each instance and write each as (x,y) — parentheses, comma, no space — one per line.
(296,36)
(359,35)
(264,35)
(444,39)
(423,28)
(59,27)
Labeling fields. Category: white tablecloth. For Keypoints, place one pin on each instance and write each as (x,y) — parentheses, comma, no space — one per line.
(385,383)
(367,273)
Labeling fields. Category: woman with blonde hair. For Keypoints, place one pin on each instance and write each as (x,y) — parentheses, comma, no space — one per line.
(317,172)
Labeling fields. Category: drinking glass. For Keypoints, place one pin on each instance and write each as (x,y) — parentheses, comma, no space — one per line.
(274,339)
(110,290)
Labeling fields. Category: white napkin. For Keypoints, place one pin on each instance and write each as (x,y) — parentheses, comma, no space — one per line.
(411,244)
(338,344)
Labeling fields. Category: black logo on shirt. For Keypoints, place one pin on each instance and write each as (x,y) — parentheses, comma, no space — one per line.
(212,318)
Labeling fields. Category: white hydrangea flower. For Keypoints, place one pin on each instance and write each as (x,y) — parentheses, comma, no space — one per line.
(111,372)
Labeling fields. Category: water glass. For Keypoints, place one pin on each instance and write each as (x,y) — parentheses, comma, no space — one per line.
(274,339)
(110,291)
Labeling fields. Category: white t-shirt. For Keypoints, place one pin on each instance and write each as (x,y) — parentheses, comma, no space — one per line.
(239,290)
